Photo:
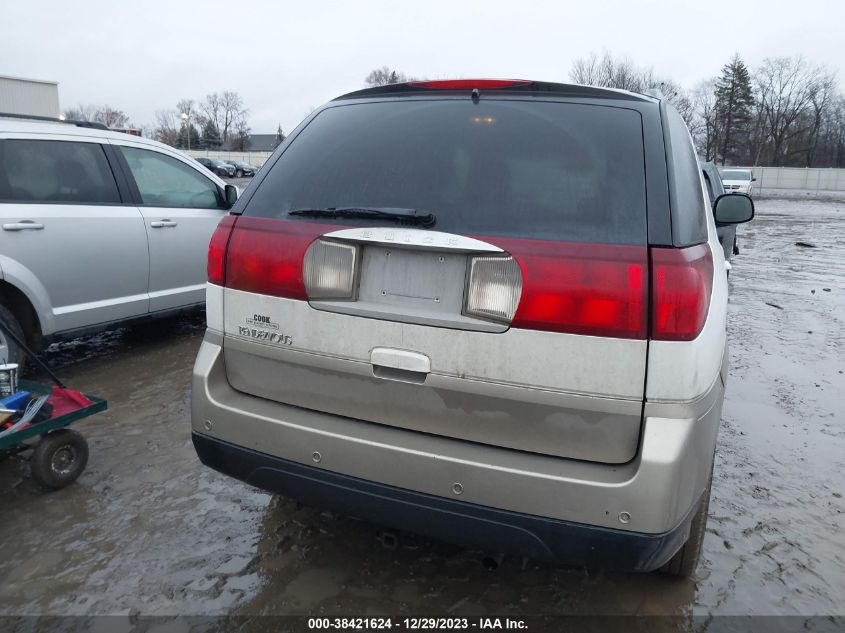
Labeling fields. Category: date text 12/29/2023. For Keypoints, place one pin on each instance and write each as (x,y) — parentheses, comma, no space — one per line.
(416,624)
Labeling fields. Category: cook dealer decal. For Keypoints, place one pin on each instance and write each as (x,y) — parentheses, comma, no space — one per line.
(260,324)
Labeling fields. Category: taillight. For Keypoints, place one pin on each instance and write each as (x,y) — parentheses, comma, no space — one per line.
(682,280)
(265,256)
(593,289)
(329,269)
(217,250)
(468,84)
(493,288)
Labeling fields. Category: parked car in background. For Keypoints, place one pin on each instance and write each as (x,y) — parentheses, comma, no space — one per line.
(511,337)
(217,166)
(98,228)
(738,181)
(726,232)
(243,169)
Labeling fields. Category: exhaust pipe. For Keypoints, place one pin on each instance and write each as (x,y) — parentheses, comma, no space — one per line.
(491,562)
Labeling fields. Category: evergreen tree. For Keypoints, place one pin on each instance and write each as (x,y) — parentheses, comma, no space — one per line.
(210,135)
(734,102)
(187,133)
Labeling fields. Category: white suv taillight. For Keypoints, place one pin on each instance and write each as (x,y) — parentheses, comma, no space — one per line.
(329,270)
(494,288)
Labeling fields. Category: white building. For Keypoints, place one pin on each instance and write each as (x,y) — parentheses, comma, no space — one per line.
(32,97)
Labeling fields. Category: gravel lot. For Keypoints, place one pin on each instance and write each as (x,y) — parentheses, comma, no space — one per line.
(148,530)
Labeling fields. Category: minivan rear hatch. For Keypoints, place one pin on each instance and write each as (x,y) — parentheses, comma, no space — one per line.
(517,320)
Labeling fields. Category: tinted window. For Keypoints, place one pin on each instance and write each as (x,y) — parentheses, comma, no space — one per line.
(736,175)
(713,182)
(164,181)
(56,171)
(527,169)
(688,212)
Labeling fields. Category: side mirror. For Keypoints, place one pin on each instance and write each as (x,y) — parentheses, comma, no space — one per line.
(753,178)
(733,208)
(231,195)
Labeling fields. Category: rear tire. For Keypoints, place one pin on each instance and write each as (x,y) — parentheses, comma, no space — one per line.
(239,174)
(685,560)
(9,351)
(59,458)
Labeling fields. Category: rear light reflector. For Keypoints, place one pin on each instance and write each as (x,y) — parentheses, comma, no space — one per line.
(469,84)
(216,266)
(682,281)
(330,270)
(494,288)
(265,255)
(592,289)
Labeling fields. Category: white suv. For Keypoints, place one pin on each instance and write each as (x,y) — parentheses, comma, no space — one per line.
(98,228)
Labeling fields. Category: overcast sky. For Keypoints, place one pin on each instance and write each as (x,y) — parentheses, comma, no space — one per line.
(285,58)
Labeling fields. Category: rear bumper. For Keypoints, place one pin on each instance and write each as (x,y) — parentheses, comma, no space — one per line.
(547,507)
(491,529)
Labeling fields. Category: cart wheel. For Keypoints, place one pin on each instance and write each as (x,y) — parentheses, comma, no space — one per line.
(59,458)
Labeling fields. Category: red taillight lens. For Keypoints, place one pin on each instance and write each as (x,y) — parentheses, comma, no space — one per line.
(594,289)
(682,281)
(469,84)
(265,255)
(217,250)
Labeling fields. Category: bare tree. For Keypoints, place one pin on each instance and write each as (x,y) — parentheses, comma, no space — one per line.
(609,72)
(785,89)
(186,106)
(81,113)
(384,76)
(167,127)
(240,136)
(706,131)
(233,114)
(823,91)
(111,117)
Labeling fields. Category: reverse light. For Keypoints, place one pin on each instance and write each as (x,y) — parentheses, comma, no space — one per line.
(329,270)
(493,288)
(577,288)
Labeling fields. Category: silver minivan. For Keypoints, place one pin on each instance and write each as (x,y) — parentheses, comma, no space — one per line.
(488,311)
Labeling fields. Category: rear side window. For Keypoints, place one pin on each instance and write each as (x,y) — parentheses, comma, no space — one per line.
(546,170)
(164,181)
(56,172)
(711,189)
(688,213)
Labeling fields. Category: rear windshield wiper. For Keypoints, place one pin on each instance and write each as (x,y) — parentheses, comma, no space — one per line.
(396,214)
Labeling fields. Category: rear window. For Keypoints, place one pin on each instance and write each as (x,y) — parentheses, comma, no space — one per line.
(736,175)
(546,170)
(55,172)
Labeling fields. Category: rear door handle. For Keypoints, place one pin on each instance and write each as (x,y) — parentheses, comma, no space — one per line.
(400,365)
(23,225)
(161,224)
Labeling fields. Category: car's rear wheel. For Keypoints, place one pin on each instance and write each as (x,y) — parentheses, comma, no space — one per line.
(685,560)
(9,351)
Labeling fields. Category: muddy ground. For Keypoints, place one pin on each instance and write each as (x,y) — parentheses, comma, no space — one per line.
(148,530)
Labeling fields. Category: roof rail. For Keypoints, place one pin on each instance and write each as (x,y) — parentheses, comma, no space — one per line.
(34,117)
(655,92)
